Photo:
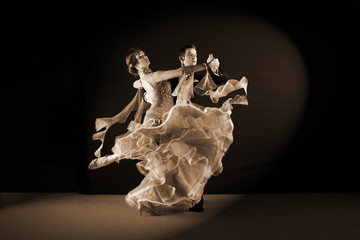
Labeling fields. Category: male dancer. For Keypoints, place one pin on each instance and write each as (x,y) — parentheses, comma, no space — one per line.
(188,57)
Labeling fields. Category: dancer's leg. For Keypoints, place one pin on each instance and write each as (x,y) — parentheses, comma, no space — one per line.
(103,161)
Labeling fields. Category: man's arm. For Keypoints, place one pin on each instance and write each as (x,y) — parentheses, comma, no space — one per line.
(220,77)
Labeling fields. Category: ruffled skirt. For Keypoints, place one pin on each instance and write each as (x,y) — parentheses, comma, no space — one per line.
(176,156)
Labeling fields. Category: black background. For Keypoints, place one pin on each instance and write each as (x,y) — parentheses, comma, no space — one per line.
(52,83)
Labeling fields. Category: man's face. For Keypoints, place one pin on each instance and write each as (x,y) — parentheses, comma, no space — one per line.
(190,57)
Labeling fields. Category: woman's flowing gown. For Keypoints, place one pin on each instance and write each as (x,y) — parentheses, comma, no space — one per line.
(179,147)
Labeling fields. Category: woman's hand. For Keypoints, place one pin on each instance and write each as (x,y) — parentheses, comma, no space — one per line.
(210,58)
(214,65)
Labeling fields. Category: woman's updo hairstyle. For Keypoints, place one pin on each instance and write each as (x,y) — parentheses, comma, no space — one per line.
(131,60)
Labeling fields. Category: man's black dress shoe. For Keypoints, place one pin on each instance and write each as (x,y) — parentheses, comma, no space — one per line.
(199,207)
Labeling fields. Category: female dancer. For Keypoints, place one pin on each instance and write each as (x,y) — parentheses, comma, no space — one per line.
(179,147)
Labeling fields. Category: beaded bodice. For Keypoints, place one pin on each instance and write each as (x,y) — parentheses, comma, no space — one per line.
(159,94)
(163,97)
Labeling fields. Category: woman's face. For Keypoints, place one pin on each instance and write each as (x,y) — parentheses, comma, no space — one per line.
(142,60)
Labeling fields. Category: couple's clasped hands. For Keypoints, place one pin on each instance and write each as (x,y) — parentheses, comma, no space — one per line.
(213,63)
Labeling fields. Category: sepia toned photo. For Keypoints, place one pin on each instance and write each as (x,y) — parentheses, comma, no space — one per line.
(181,120)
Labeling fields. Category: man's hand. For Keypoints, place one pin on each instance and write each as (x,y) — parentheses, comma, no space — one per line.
(214,65)
(210,58)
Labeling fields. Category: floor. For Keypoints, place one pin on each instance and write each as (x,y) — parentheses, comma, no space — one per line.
(53,216)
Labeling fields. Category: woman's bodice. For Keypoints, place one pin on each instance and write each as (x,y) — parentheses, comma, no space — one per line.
(158,94)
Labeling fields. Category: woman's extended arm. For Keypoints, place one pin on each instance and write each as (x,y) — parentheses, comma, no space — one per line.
(163,75)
